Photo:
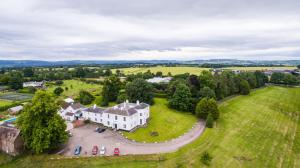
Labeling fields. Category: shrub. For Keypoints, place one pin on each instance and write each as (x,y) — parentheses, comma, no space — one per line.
(209,121)
(57,91)
(206,158)
(59,82)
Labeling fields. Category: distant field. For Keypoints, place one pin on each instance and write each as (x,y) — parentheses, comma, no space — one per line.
(191,70)
(260,68)
(259,130)
(164,70)
(168,123)
(74,87)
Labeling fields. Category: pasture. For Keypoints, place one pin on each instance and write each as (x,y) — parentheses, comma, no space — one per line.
(167,123)
(258,130)
(261,68)
(163,69)
(74,87)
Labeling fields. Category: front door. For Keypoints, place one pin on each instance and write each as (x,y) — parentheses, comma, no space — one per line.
(116,126)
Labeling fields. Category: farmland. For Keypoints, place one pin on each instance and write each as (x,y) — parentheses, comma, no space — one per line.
(259,130)
(164,70)
(192,70)
(74,86)
(165,126)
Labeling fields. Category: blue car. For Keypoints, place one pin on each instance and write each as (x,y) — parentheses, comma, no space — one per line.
(77,150)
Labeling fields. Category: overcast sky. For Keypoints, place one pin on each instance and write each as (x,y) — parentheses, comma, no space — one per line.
(149,29)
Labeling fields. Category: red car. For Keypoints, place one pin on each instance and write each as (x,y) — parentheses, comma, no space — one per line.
(116,151)
(95,150)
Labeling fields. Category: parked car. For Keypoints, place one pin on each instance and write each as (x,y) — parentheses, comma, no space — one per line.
(99,130)
(102,150)
(95,150)
(116,151)
(77,150)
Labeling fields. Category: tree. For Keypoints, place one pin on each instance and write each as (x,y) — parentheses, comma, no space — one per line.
(244,87)
(59,82)
(15,81)
(207,92)
(159,74)
(107,72)
(207,106)
(41,127)
(58,91)
(277,78)
(298,66)
(85,97)
(207,79)
(173,85)
(79,72)
(261,78)
(28,72)
(111,88)
(209,121)
(140,90)
(289,79)
(181,99)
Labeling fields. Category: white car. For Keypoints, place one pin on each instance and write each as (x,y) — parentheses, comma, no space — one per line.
(102,150)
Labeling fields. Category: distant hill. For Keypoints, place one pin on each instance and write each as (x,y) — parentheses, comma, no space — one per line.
(37,63)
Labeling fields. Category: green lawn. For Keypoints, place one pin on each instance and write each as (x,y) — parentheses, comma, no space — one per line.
(74,86)
(259,130)
(5,102)
(164,70)
(167,122)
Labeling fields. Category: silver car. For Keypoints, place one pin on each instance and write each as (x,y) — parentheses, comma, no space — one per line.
(102,150)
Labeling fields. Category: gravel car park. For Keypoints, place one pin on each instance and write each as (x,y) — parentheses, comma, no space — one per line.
(87,138)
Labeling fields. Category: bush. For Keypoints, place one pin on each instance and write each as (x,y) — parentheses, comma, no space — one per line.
(209,121)
(85,97)
(57,91)
(59,82)
(206,158)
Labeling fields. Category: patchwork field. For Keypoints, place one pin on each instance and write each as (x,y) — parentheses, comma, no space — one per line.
(261,68)
(166,122)
(259,130)
(74,87)
(164,70)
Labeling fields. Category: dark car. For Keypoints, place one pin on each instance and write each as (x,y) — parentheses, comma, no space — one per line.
(77,150)
(99,130)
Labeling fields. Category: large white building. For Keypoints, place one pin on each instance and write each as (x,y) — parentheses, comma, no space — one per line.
(33,84)
(124,116)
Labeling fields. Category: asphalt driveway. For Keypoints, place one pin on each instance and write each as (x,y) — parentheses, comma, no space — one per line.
(87,138)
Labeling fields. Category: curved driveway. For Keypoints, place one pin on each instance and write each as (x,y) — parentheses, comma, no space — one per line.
(87,138)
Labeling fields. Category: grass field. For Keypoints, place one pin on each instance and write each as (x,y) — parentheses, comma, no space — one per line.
(260,68)
(12,96)
(5,102)
(74,86)
(260,130)
(191,70)
(164,70)
(167,122)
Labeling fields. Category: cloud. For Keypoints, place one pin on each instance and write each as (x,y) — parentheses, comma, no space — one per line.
(142,29)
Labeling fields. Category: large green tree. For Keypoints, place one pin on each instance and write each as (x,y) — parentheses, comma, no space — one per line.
(207,106)
(58,91)
(41,127)
(85,97)
(181,99)
(207,79)
(244,87)
(140,90)
(207,92)
(15,81)
(111,88)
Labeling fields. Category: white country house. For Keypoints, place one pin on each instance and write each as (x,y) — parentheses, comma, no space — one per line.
(124,116)
(71,111)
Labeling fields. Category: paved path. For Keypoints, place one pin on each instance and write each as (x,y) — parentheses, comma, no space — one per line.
(85,137)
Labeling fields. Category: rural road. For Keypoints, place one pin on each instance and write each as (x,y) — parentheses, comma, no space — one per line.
(87,138)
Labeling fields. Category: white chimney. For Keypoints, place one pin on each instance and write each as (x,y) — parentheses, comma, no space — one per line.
(127,101)
(137,102)
(95,106)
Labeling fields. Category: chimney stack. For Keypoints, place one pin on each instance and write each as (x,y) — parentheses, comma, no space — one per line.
(137,102)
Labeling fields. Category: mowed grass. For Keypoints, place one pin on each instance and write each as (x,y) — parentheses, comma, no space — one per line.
(261,68)
(168,123)
(5,102)
(74,87)
(259,130)
(163,69)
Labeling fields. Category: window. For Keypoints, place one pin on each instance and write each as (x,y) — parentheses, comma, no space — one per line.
(95,114)
(116,117)
(95,119)
(124,126)
(124,118)
(107,122)
(141,114)
(141,121)
(100,120)
(107,115)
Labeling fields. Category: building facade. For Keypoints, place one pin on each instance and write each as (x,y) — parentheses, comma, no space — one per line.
(124,116)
